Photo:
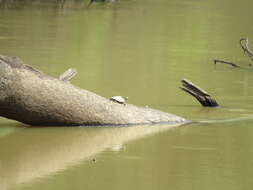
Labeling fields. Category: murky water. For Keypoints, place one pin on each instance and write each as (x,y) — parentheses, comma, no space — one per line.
(140,49)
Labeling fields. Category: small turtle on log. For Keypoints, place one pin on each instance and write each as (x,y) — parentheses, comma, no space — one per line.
(119,99)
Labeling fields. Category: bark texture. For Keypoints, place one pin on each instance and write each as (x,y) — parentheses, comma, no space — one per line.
(204,98)
(32,97)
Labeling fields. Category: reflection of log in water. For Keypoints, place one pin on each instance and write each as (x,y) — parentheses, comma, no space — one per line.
(34,153)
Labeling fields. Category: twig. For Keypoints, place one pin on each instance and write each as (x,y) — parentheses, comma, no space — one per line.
(225,62)
(68,75)
(201,95)
(245,47)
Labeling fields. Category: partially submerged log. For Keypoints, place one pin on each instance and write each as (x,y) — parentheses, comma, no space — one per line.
(201,95)
(32,97)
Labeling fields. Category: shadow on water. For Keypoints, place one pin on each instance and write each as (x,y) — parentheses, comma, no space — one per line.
(35,153)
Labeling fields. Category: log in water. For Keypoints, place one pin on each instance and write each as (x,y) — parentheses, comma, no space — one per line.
(32,97)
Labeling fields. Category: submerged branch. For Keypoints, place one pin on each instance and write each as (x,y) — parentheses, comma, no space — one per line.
(225,62)
(201,95)
(244,42)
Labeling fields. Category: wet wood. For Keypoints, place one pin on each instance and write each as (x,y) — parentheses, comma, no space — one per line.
(225,62)
(201,95)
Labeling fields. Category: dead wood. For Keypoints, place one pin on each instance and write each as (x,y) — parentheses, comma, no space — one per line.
(225,62)
(32,97)
(244,42)
(201,95)
(68,75)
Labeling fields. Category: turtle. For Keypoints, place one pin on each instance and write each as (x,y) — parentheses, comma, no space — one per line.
(119,99)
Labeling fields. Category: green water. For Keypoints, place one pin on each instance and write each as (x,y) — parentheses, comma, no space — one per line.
(140,49)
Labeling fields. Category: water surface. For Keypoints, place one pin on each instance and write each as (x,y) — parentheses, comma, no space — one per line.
(140,49)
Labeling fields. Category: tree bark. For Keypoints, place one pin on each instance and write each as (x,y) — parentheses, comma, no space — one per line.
(201,95)
(32,97)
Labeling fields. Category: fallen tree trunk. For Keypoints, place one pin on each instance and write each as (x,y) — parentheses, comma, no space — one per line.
(32,97)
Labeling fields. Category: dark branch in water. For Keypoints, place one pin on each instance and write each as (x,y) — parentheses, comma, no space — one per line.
(244,43)
(245,47)
(225,62)
(201,95)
